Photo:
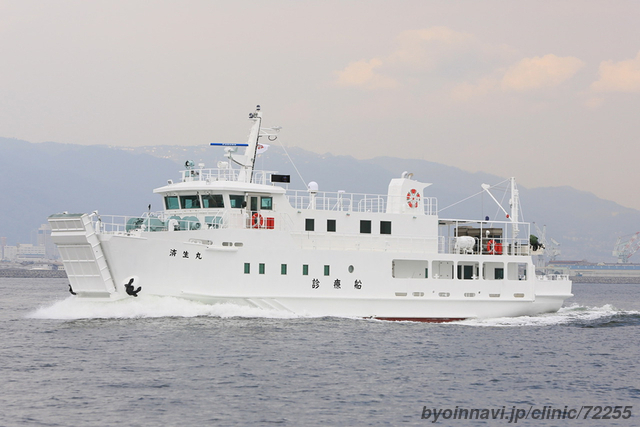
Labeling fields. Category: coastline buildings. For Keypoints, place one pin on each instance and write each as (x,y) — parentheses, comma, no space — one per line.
(42,251)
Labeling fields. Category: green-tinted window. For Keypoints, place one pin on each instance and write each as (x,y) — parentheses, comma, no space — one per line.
(171,202)
(260,268)
(385,227)
(365,226)
(305,270)
(190,202)
(326,270)
(266,203)
(331,225)
(426,273)
(499,273)
(309,224)
(212,201)
(236,200)
(283,269)
(247,268)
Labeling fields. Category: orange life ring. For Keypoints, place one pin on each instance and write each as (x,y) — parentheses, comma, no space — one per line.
(257,221)
(413,198)
(494,247)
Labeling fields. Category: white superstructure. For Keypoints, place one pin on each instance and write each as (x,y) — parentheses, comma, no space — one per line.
(230,235)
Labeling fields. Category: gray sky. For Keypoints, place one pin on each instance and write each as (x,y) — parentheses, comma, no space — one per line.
(547,91)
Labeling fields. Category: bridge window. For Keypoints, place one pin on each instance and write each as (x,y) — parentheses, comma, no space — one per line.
(190,202)
(212,201)
(266,203)
(236,201)
(171,202)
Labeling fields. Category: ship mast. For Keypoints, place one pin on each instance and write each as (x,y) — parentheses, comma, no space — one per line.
(514,204)
(248,159)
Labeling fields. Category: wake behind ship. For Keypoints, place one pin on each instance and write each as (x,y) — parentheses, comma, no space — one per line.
(238,235)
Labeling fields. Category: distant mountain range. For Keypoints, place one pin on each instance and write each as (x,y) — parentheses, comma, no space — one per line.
(37,180)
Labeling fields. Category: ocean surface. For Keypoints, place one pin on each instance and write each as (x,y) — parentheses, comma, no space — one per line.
(165,362)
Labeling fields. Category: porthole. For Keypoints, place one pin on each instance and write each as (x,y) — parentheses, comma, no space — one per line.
(351,269)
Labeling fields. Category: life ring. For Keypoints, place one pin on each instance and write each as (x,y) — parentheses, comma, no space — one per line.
(257,221)
(494,248)
(412,198)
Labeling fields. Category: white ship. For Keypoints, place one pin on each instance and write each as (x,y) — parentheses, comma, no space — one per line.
(237,235)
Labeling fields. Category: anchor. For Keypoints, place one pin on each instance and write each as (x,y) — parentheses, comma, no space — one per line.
(130,290)
(71,290)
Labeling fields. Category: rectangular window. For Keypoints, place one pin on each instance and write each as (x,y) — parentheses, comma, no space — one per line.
(283,269)
(499,273)
(247,268)
(260,268)
(365,226)
(326,270)
(266,203)
(385,227)
(254,204)
(212,201)
(331,225)
(236,201)
(171,202)
(309,224)
(305,270)
(190,202)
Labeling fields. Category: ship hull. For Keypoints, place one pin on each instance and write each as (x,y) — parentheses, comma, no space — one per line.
(283,271)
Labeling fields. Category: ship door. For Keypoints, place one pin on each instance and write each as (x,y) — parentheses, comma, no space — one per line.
(257,221)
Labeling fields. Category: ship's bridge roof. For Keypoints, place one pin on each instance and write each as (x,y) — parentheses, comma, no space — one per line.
(220,180)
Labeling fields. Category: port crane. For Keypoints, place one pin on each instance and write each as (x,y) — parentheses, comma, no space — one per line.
(626,246)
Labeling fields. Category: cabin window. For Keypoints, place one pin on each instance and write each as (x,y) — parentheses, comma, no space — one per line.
(283,269)
(409,269)
(305,270)
(254,204)
(266,203)
(171,202)
(261,268)
(385,227)
(236,201)
(517,271)
(190,202)
(493,271)
(331,225)
(309,224)
(365,226)
(326,270)
(212,201)
(247,268)
(442,269)
(468,271)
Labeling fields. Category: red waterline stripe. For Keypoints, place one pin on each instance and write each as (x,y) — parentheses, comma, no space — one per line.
(421,319)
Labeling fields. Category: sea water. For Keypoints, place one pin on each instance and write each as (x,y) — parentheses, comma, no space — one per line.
(151,361)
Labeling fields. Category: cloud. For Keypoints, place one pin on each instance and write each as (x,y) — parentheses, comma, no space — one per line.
(465,91)
(526,75)
(540,72)
(416,52)
(427,47)
(362,74)
(623,76)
